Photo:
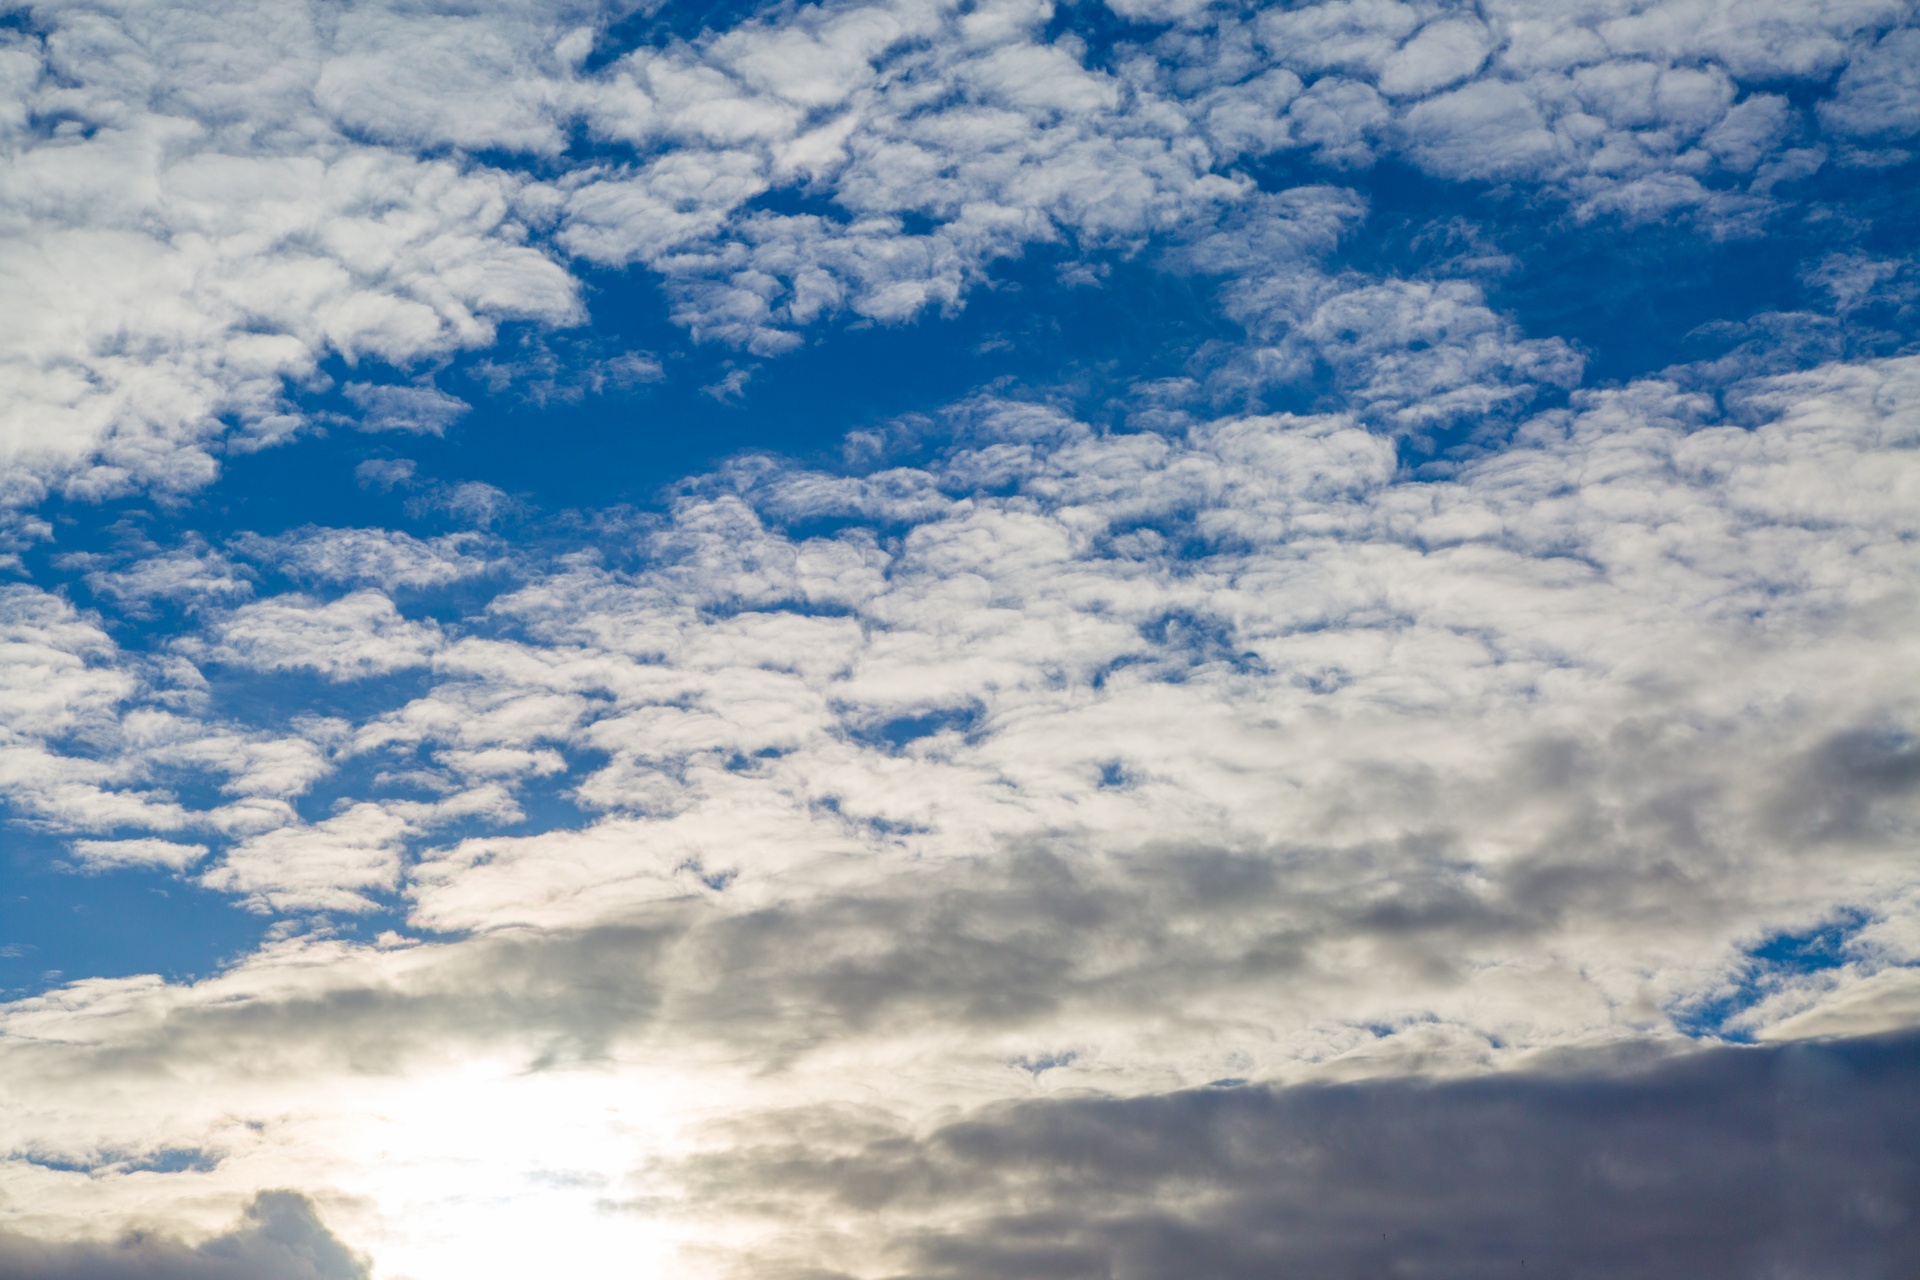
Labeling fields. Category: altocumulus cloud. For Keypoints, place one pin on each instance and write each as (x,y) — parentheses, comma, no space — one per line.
(1344,788)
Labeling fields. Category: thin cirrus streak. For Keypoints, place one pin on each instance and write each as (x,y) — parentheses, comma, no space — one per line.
(959,640)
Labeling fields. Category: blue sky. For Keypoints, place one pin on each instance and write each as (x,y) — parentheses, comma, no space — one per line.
(621,621)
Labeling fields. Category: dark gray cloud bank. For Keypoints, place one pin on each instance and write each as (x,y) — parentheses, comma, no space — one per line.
(281,1237)
(1783,1161)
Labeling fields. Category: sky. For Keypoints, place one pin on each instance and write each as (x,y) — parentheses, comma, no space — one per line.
(910,638)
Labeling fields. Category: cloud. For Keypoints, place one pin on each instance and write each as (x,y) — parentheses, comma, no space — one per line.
(422,410)
(385,474)
(194,575)
(1443,53)
(1627,110)
(1716,1164)
(386,558)
(189,237)
(91,736)
(357,636)
(322,867)
(557,371)
(102,855)
(1875,95)
(280,1237)
(1331,789)
(1472,737)
(1644,1155)
(1486,130)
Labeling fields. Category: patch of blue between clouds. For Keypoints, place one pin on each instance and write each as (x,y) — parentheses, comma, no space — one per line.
(58,924)
(904,730)
(1761,971)
(164,1160)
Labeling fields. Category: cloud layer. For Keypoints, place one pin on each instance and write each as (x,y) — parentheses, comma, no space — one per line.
(1339,785)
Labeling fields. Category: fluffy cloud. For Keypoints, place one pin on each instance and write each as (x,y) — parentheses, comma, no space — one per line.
(1407,356)
(422,410)
(356,636)
(192,575)
(1110,762)
(187,235)
(1875,96)
(90,736)
(1633,110)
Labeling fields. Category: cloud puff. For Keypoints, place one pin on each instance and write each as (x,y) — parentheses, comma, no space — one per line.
(1875,96)
(90,735)
(359,635)
(1408,356)
(1633,110)
(191,576)
(318,867)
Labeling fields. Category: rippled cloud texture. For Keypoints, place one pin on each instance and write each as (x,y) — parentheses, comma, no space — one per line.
(960,640)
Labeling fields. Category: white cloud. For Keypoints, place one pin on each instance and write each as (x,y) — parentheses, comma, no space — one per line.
(52,679)
(1443,53)
(1407,355)
(1339,658)
(1604,101)
(549,371)
(185,234)
(422,410)
(193,575)
(322,867)
(107,854)
(386,558)
(1875,96)
(359,635)
(91,737)
(1485,130)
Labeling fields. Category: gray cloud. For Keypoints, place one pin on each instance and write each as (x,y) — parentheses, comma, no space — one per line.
(1723,1164)
(280,1237)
